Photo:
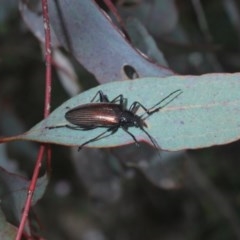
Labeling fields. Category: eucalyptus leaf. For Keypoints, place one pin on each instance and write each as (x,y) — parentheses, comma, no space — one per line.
(205,114)
(13,193)
(89,34)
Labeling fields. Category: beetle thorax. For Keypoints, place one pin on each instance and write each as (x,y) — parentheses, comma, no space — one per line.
(129,119)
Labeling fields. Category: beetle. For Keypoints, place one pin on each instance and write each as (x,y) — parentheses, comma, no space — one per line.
(113,115)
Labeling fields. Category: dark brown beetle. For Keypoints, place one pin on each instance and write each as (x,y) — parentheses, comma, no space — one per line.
(112,115)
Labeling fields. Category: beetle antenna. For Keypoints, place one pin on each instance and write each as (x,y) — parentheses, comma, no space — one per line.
(153,109)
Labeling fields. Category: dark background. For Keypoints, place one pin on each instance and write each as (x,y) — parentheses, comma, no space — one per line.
(122,193)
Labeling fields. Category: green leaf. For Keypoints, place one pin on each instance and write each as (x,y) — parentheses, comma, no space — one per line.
(205,114)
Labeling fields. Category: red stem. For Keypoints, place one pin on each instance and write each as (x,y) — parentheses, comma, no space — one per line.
(114,10)
(48,55)
(48,79)
(30,192)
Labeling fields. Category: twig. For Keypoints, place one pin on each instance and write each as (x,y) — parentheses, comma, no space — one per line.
(48,79)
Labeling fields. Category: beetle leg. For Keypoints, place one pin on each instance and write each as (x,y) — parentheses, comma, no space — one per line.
(67,126)
(135,106)
(100,136)
(119,99)
(102,97)
(133,137)
(154,142)
(57,126)
(122,101)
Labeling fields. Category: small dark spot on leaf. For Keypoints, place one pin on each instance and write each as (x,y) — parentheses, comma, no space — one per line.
(130,72)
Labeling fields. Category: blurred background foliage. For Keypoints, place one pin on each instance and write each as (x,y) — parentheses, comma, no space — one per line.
(128,193)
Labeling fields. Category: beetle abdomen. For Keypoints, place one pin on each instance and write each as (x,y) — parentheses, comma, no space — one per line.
(94,115)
